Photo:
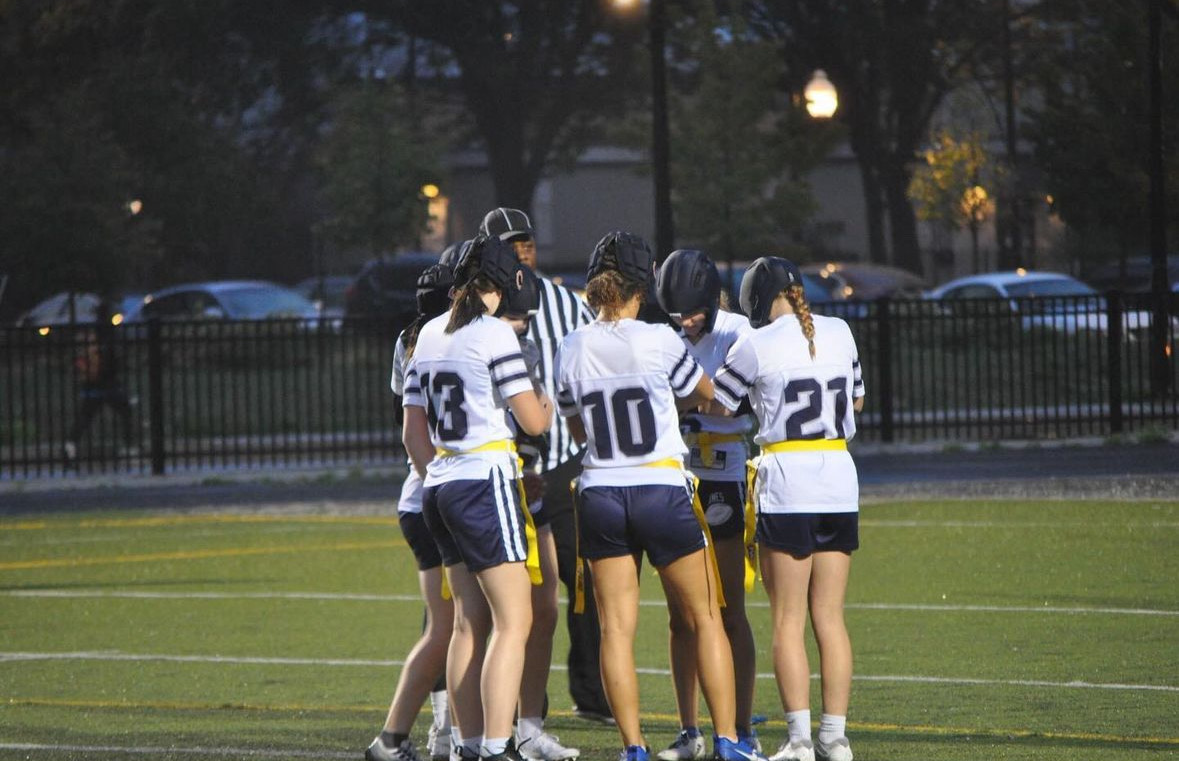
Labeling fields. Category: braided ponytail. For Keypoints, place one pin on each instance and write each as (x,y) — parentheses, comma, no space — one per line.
(797,298)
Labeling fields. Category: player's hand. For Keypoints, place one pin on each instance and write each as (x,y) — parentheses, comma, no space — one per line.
(533,487)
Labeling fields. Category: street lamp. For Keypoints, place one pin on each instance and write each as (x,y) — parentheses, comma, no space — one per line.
(821,97)
(660,132)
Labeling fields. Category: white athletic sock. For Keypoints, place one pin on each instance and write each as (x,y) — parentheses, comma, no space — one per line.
(494,746)
(831,728)
(440,705)
(472,744)
(799,724)
(528,728)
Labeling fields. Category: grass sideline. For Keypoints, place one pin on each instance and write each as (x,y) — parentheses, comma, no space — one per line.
(982,629)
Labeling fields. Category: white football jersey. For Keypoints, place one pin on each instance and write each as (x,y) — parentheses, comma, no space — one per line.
(410,500)
(462,380)
(728,460)
(797,398)
(622,379)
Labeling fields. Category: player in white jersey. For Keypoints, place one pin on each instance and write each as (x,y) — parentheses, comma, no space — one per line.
(802,375)
(620,381)
(532,742)
(466,372)
(688,288)
(426,662)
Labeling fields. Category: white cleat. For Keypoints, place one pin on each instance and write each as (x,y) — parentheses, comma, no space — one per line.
(838,749)
(378,751)
(802,750)
(545,747)
(685,748)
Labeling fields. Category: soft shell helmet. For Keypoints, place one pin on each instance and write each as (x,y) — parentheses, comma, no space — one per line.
(625,253)
(450,255)
(506,224)
(489,257)
(688,282)
(524,299)
(763,281)
(433,292)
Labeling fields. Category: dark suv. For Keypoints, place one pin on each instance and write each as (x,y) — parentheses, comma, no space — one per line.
(383,293)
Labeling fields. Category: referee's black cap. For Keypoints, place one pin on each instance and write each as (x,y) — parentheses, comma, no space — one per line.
(506,224)
(763,281)
(624,252)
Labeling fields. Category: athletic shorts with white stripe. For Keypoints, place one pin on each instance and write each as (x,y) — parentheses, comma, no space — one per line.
(477,522)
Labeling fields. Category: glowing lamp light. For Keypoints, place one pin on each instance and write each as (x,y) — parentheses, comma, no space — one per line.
(1021,271)
(43,330)
(117,318)
(821,98)
(135,206)
(430,190)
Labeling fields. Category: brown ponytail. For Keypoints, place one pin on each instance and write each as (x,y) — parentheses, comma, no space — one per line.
(467,305)
(608,292)
(797,298)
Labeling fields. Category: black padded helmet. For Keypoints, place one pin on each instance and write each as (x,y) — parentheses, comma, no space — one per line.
(689,282)
(489,257)
(763,281)
(433,292)
(626,253)
(506,224)
(451,254)
(525,298)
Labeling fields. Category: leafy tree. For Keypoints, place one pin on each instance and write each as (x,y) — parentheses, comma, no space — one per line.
(1090,129)
(374,162)
(950,188)
(536,76)
(739,150)
(894,62)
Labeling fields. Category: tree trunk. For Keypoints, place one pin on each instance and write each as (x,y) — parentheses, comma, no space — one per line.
(906,251)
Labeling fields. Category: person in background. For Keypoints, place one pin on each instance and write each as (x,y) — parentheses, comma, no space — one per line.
(426,662)
(801,373)
(560,312)
(100,383)
(688,288)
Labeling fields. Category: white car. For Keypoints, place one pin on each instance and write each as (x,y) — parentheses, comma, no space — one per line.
(1042,299)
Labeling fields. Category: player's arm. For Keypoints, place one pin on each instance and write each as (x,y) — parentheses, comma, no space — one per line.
(702,393)
(735,377)
(533,412)
(415,435)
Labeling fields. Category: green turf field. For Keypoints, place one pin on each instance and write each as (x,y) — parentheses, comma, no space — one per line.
(982,630)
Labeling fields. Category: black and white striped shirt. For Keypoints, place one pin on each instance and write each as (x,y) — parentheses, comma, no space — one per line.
(561,312)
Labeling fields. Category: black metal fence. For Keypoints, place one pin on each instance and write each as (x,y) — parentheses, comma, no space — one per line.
(262,395)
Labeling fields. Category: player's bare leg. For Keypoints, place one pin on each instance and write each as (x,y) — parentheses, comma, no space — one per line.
(730,556)
(427,660)
(468,644)
(616,589)
(689,585)
(509,595)
(828,588)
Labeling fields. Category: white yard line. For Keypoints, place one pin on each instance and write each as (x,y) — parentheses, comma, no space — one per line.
(10,657)
(351,597)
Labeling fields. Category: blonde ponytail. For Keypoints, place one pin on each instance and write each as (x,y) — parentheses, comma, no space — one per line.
(797,298)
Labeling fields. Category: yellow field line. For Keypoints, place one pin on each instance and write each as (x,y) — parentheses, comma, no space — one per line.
(181,520)
(195,555)
(172,705)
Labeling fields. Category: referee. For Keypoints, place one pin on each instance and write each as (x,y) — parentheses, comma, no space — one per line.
(561,312)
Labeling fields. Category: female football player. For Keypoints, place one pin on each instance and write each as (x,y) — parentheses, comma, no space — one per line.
(466,371)
(426,662)
(620,382)
(802,375)
(689,288)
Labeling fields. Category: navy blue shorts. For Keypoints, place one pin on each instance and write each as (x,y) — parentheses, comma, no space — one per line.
(479,523)
(724,507)
(803,534)
(622,520)
(420,540)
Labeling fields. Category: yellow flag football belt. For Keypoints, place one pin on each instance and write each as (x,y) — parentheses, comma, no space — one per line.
(532,563)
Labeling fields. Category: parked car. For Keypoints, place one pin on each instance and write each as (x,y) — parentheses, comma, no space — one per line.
(1139,272)
(57,310)
(386,289)
(1042,299)
(863,281)
(328,293)
(227,300)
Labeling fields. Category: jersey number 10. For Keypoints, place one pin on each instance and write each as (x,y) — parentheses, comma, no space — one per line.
(628,407)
